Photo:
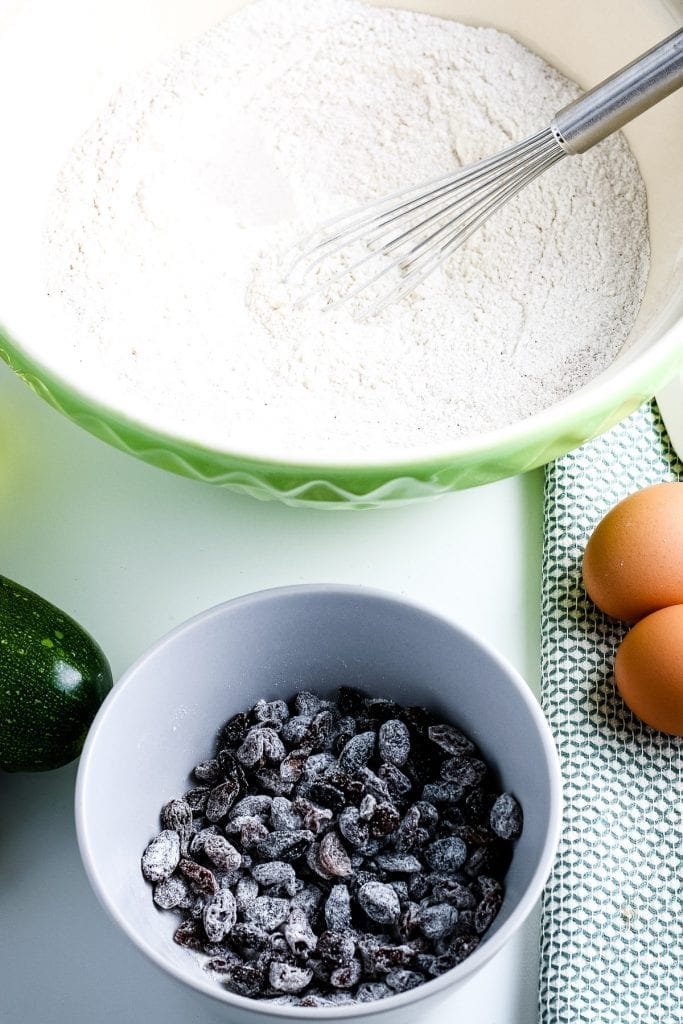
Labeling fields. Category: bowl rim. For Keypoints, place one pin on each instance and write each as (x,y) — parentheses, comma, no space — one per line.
(608,391)
(440,985)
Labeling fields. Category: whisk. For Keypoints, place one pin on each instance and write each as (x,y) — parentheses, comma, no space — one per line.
(381,252)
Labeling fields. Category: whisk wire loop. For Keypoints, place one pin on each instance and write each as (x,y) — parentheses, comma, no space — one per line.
(407,234)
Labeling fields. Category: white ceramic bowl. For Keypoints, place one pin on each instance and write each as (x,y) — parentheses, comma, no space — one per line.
(163,715)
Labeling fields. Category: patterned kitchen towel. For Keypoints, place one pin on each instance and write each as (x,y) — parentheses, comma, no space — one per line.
(612,913)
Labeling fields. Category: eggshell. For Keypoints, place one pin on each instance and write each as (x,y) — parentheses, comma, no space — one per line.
(633,562)
(648,669)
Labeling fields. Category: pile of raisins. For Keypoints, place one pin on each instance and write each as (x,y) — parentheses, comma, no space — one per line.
(334,852)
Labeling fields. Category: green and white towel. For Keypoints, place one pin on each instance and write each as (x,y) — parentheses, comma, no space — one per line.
(612,924)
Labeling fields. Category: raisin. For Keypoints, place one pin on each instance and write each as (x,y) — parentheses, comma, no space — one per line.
(207,771)
(506,817)
(276,872)
(196,798)
(417,718)
(450,739)
(429,816)
(442,792)
(161,856)
(371,990)
(373,785)
(295,729)
(313,862)
(401,980)
(314,818)
(394,742)
(267,912)
(328,796)
(221,799)
(177,815)
(449,889)
(355,831)
(382,958)
(357,752)
(199,838)
(307,703)
(418,886)
(188,935)
(252,832)
(463,772)
(319,765)
(447,854)
(379,902)
(367,806)
(253,806)
(244,980)
(285,977)
(490,904)
(351,787)
(345,728)
(199,877)
(250,753)
(347,975)
(219,915)
(336,948)
(307,900)
(271,780)
(398,863)
(221,853)
(299,934)
(246,891)
(222,963)
(385,820)
(410,835)
(319,734)
(283,816)
(438,921)
(333,857)
(338,908)
(292,766)
(284,845)
(234,730)
(171,892)
(477,804)
(458,950)
(248,940)
(272,713)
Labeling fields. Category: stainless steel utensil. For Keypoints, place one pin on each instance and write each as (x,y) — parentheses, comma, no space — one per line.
(381,252)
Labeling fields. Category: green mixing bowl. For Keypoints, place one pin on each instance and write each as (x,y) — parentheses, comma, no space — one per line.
(584,40)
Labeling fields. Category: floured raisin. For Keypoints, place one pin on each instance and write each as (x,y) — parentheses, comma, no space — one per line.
(199,877)
(506,817)
(219,915)
(379,902)
(394,742)
(161,856)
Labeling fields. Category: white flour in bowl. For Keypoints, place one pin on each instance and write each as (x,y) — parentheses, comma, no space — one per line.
(165,230)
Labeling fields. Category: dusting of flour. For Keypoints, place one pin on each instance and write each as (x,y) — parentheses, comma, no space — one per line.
(168,221)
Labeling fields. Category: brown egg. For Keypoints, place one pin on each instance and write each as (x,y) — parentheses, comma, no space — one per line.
(633,563)
(648,669)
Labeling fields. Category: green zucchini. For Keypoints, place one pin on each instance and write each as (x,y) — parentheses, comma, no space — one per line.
(53,678)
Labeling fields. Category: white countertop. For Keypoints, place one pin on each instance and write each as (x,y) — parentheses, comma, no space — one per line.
(130,551)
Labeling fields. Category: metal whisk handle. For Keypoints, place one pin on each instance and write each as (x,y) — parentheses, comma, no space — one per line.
(621,97)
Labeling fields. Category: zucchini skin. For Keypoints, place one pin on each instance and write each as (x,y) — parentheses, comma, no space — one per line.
(53,678)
